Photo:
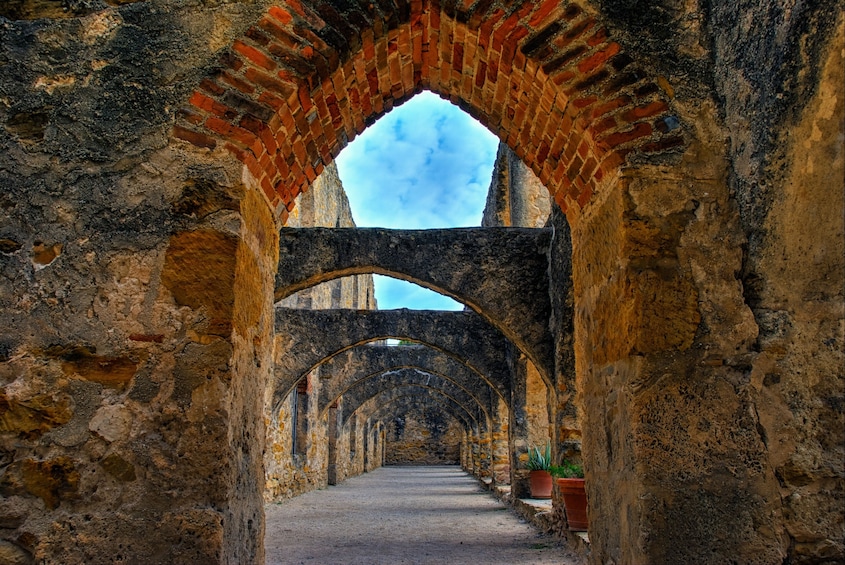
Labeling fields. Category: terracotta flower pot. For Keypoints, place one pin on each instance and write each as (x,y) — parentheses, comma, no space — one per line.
(540,483)
(575,503)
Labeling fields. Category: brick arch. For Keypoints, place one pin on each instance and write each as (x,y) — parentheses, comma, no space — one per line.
(377,412)
(546,77)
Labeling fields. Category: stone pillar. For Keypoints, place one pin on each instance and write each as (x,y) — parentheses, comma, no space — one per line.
(671,443)
(366,446)
(566,427)
(500,467)
(132,386)
(333,415)
(518,431)
(485,454)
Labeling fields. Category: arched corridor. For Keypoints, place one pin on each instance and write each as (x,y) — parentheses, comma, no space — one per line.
(680,326)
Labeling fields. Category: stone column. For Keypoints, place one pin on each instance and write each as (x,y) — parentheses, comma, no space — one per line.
(500,467)
(332,433)
(134,358)
(518,431)
(671,442)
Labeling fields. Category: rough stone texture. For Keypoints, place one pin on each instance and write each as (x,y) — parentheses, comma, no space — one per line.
(516,196)
(499,273)
(288,474)
(422,435)
(306,338)
(325,205)
(696,153)
(368,360)
(788,166)
(364,390)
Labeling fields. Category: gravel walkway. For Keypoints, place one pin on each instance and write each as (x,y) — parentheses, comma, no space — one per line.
(412,515)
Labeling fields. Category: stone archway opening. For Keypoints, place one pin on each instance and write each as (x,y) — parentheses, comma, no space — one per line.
(624,160)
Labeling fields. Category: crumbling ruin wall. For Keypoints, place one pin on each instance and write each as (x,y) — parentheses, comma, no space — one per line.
(324,205)
(785,113)
(422,435)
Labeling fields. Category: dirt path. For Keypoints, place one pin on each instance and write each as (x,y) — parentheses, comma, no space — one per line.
(411,515)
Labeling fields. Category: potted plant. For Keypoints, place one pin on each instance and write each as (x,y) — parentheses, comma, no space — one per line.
(570,480)
(539,478)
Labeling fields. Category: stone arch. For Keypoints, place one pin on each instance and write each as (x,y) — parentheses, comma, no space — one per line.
(368,361)
(657,301)
(385,397)
(303,342)
(400,382)
(406,406)
(501,273)
(306,78)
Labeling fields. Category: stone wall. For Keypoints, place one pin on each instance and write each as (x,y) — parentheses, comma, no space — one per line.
(516,197)
(424,435)
(288,474)
(696,153)
(787,171)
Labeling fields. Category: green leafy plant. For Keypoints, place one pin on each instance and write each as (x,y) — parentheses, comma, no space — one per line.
(538,459)
(567,470)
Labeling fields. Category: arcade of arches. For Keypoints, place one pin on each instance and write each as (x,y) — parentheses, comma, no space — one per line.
(181,340)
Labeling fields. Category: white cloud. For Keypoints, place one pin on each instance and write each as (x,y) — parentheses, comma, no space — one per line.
(426,164)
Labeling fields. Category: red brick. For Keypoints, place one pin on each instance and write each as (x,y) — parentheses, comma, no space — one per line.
(238,83)
(282,16)
(268,82)
(614,104)
(564,40)
(597,38)
(542,11)
(194,138)
(645,111)
(255,55)
(239,153)
(560,199)
(582,103)
(232,132)
(619,138)
(458,57)
(596,60)
(212,87)
(602,126)
(585,196)
(663,144)
(271,100)
(191,115)
(203,102)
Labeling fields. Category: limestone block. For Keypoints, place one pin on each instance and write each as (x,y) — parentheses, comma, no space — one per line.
(112,423)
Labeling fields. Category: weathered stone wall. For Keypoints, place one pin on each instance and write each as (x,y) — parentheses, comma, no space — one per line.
(785,115)
(422,436)
(325,205)
(287,475)
(516,197)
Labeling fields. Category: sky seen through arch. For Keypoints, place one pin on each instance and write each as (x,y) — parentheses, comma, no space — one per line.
(426,164)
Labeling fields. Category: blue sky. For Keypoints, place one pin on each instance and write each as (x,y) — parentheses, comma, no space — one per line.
(426,164)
